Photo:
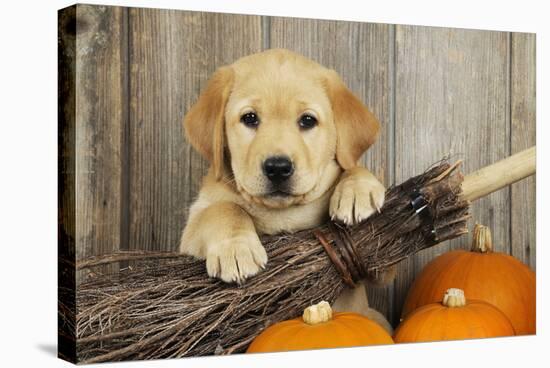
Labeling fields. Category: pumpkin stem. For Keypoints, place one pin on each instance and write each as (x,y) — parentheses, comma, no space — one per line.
(454,298)
(317,313)
(482,241)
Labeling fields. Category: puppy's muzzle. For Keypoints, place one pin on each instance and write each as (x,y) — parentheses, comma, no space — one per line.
(278,169)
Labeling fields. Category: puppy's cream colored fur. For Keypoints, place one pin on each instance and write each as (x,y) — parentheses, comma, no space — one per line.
(235,204)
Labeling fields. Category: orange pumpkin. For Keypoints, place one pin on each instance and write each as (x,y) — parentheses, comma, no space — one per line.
(319,328)
(454,319)
(496,278)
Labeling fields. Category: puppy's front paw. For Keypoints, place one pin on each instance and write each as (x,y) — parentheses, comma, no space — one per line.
(236,258)
(356,197)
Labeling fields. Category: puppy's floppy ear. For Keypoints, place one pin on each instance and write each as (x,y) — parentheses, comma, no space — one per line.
(356,126)
(204,123)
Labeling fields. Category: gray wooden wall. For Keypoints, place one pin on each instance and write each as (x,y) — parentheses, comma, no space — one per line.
(435,90)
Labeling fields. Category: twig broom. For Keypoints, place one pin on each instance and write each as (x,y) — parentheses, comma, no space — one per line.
(166,306)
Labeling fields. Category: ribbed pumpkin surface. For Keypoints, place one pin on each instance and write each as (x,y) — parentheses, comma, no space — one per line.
(496,278)
(344,330)
(436,322)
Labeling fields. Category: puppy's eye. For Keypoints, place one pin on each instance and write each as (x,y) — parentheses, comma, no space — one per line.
(250,119)
(307,121)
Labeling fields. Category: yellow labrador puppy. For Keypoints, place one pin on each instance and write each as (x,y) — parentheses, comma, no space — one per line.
(283,135)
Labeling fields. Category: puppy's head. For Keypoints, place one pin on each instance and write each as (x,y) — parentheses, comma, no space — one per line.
(277,121)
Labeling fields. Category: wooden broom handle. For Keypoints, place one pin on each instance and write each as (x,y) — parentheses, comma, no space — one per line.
(500,174)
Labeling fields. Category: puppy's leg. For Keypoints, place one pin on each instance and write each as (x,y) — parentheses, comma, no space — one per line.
(224,234)
(356,300)
(357,196)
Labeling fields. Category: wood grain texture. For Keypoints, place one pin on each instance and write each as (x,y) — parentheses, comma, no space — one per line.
(127,175)
(172,55)
(100,117)
(66,158)
(523,135)
(360,53)
(452,97)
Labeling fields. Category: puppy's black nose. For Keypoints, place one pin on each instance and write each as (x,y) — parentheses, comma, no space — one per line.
(278,169)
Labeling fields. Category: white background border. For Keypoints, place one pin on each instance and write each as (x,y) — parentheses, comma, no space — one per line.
(28,181)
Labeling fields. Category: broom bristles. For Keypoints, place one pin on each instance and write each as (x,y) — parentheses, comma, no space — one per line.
(166,306)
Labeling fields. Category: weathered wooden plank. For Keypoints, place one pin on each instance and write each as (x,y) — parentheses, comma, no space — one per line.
(172,55)
(100,103)
(451,97)
(523,127)
(66,204)
(360,53)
